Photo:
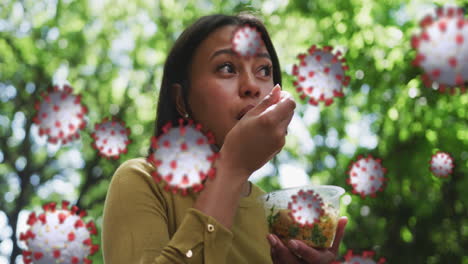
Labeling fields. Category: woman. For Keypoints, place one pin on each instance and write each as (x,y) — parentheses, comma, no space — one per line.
(237,100)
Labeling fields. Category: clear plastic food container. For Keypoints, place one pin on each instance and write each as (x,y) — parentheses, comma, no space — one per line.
(307,213)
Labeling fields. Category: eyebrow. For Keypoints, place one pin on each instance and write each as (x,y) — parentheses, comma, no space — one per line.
(233,53)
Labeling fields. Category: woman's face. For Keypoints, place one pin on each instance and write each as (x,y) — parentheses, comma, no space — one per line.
(223,85)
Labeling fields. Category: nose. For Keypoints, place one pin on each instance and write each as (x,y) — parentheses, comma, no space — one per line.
(249,86)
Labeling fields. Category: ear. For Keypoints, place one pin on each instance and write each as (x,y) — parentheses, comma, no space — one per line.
(179,99)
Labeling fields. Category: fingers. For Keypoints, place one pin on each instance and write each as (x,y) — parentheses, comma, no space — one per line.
(280,254)
(339,234)
(269,100)
(282,110)
(298,252)
(285,123)
(272,242)
(311,255)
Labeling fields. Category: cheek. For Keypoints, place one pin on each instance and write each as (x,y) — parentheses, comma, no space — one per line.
(215,95)
(214,112)
(211,108)
(268,87)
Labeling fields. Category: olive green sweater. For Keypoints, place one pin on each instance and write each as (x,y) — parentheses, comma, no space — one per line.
(143,223)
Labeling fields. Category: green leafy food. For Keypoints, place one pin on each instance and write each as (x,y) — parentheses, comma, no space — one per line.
(293,231)
(317,237)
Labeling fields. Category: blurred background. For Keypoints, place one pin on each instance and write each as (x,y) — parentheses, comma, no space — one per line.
(112,53)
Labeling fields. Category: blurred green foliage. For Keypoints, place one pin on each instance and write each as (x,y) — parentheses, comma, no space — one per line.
(114,52)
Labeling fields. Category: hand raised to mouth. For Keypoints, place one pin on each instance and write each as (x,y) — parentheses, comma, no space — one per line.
(260,133)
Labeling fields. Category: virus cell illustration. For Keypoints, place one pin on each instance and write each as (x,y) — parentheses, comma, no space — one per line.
(442,49)
(306,208)
(111,138)
(367,257)
(60,115)
(366,176)
(183,157)
(59,235)
(441,164)
(320,75)
(246,41)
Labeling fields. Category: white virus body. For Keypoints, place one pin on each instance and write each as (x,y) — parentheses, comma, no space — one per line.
(246,41)
(442,49)
(183,157)
(111,138)
(441,164)
(59,236)
(320,75)
(306,208)
(367,257)
(60,115)
(366,176)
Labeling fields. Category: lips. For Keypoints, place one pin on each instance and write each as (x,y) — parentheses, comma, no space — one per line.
(244,111)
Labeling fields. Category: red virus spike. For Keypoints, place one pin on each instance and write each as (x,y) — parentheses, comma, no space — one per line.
(111,138)
(88,242)
(71,236)
(200,141)
(32,219)
(184,147)
(182,131)
(166,127)
(50,207)
(366,176)
(453,62)
(246,41)
(42,218)
(92,228)
(23,237)
(183,160)
(59,116)
(459,81)
(442,51)
(459,39)
(38,255)
(44,238)
(83,213)
(322,73)
(94,249)
(79,223)
(62,217)
(441,164)
(442,26)
(367,257)
(28,235)
(306,208)
(74,209)
(419,58)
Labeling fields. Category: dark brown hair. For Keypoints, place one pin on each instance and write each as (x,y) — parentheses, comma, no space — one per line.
(176,68)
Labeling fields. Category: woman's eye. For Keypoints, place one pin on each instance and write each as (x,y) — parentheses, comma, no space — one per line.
(226,68)
(266,70)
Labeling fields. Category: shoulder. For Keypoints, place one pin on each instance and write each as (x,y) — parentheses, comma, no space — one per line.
(137,165)
(134,173)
